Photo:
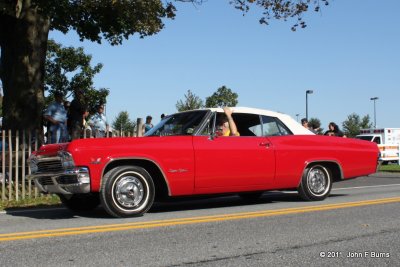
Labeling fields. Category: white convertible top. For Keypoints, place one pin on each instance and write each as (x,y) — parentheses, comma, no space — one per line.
(291,123)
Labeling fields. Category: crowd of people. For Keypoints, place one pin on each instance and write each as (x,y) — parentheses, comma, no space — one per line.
(333,129)
(68,121)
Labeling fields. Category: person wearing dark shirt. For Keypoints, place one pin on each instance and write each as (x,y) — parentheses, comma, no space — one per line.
(334,130)
(76,115)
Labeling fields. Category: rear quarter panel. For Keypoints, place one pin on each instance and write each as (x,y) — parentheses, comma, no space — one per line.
(294,153)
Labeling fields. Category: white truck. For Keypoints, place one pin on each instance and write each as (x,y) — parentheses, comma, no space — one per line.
(388,141)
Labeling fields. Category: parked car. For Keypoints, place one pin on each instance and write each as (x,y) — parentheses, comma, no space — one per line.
(183,156)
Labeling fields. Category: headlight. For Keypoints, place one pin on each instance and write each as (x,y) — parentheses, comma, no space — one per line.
(66,160)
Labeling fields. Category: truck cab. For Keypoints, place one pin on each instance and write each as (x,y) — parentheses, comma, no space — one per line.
(388,141)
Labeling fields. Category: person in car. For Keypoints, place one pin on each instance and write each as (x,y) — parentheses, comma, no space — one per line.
(226,124)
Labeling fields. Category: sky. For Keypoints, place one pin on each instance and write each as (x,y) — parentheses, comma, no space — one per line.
(347,54)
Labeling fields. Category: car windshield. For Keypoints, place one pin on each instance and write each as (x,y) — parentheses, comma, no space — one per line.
(184,123)
(366,137)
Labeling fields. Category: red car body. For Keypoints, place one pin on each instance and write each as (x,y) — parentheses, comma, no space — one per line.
(202,164)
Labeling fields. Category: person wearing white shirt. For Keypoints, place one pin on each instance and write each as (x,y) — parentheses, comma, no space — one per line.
(98,123)
(56,115)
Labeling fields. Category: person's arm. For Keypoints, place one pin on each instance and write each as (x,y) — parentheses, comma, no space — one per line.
(231,122)
(50,119)
(48,115)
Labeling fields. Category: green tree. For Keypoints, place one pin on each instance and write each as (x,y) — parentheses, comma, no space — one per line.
(25,25)
(123,123)
(69,68)
(191,101)
(315,124)
(223,97)
(353,124)
(366,122)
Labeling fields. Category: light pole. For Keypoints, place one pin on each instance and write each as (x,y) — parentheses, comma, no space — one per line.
(307,93)
(297,117)
(374,99)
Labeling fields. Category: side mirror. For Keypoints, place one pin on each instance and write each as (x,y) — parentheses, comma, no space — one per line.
(212,136)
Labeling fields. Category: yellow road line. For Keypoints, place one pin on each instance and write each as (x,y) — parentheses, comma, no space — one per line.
(183,221)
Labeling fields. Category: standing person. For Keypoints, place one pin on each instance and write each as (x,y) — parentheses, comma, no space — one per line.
(304,122)
(87,130)
(99,123)
(334,130)
(56,115)
(67,104)
(76,115)
(148,125)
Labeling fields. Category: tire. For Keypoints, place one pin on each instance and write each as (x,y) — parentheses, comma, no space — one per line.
(80,202)
(127,191)
(316,183)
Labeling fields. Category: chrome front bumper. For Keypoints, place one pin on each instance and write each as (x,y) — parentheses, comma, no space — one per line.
(74,181)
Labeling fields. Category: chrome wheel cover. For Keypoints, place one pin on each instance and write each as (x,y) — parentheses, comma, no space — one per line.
(318,181)
(129,191)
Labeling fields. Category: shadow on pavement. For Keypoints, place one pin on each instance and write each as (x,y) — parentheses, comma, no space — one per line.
(172,205)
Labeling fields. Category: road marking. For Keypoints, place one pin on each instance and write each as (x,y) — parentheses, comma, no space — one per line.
(363,187)
(187,221)
(268,192)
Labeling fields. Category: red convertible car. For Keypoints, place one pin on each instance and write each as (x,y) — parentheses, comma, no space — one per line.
(183,156)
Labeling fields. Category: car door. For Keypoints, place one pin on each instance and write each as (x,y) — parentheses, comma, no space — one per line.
(234,163)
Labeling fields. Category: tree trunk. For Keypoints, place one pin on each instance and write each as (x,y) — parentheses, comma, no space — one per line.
(23,43)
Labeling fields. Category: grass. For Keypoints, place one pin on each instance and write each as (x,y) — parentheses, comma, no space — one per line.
(41,201)
(389,168)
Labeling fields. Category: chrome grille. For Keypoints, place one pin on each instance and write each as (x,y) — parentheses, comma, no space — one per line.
(50,165)
(45,181)
(67,179)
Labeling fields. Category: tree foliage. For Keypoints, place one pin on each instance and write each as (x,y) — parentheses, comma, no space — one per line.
(69,68)
(353,124)
(315,124)
(223,97)
(25,24)
(190,102)
(281,10)
(123,123)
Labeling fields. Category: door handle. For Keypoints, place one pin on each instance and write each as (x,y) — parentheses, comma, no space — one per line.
(266,144)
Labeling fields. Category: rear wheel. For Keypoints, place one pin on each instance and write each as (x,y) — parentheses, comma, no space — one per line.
(316,183)
(127,191)
(80,202)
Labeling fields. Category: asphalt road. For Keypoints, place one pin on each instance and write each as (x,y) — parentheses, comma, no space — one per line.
(358,225)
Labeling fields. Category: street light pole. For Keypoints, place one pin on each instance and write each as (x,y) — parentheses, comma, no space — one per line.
(297,117)
(307,93)
(374,99)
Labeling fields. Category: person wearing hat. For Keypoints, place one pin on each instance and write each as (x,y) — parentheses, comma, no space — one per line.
(56,116)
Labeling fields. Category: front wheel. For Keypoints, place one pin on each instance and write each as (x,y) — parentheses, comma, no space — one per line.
(127,191)
(316,183)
